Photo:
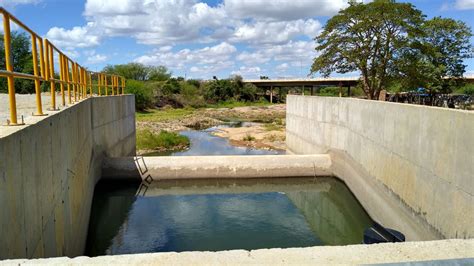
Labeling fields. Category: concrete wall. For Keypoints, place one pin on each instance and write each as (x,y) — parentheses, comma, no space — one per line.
(48,171)
(412,167)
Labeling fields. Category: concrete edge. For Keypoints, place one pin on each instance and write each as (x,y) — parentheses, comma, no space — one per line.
(191,167)
(354,254)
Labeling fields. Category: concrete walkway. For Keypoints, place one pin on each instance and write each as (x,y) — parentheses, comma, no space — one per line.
(427,251)
(26,107)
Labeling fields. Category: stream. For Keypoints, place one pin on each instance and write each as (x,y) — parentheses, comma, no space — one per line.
(204,143)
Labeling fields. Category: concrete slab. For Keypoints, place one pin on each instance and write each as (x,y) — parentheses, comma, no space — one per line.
(354,254)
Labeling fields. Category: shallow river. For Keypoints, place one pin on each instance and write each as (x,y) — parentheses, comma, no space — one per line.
(204,143)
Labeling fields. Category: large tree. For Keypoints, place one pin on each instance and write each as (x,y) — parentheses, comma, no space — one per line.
(367,38)
(435,59)
(21,59)
(137,71)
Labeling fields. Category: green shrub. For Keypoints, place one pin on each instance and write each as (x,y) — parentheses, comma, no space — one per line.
(147,140)
(143,94)
(467,89)
(248,137)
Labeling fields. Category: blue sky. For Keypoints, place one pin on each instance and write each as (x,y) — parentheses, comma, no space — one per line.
(198,39)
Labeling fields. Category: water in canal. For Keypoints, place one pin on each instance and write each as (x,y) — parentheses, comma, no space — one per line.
(204,143)
(212,215)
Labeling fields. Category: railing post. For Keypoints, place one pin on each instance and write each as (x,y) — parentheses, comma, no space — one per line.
(90,84)
(9,67)
(106,88)
(99,81)
(61,78)
(123,85)
(51,76)
(34,52)
(66,61)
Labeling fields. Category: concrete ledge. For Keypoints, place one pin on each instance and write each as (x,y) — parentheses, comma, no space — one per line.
(355,254)
(217,167)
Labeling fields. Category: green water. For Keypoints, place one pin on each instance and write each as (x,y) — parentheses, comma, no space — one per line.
(213,215)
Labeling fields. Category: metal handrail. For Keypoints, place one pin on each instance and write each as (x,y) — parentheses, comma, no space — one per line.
(73,78)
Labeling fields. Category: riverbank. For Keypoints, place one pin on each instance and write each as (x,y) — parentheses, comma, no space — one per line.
(267,130)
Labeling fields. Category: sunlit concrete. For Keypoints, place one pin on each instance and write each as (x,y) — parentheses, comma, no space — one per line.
(427,252)
(48,170)
(410,166)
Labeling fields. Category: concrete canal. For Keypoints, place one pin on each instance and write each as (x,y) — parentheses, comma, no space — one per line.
(214,215)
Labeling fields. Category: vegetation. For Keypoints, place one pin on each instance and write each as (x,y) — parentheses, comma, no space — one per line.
(22,62)
(140,72)
(162,115)
(389,42)
(143,95)
(147,140)
(248,137)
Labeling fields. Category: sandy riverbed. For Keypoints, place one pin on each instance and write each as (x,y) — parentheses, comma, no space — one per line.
(267,131)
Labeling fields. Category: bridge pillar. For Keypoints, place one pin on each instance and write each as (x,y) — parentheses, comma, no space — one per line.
(271,94)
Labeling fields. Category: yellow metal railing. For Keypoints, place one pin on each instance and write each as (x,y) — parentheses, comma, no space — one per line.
(74,79)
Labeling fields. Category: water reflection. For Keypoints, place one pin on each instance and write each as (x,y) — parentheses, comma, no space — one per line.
(233,214)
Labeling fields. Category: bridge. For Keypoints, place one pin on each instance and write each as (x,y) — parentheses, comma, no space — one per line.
(312,83)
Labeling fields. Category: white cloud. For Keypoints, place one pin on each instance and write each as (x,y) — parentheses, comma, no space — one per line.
(160,21)
(282,67)
(218,55)
(77,37)
(283,9)
(292,51)
(464,4)
(94,58)
(247,71)
(276,32)
(13,3)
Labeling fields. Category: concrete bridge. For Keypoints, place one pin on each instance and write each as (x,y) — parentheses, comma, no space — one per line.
(313,84)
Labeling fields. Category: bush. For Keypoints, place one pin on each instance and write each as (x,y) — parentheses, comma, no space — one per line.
(190,95)
(467,89)
(248,92)
(147,140)
(143,94)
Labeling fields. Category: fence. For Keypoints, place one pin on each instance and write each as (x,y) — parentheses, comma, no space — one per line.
(76,80)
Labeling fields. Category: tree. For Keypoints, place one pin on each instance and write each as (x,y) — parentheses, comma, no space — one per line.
(143,94)
(435,60)
(159,73)
(21,59)
(135,71)
(367,38)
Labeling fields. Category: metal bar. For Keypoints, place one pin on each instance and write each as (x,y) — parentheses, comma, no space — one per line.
(106,88)
(51,76)
(61,78)
(39,106)
(18,22)
(66,60)
(99,83)
(9,67)
(41,50)
(74,82)
(90,83)
(4,73)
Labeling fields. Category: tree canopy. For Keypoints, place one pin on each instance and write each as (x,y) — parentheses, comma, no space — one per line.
(385,40)
(140,72)
(21,59)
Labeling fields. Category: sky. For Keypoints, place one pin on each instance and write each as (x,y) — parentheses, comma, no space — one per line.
(199,39)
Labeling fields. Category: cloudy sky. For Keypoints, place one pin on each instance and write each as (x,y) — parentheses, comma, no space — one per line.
(198,38)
